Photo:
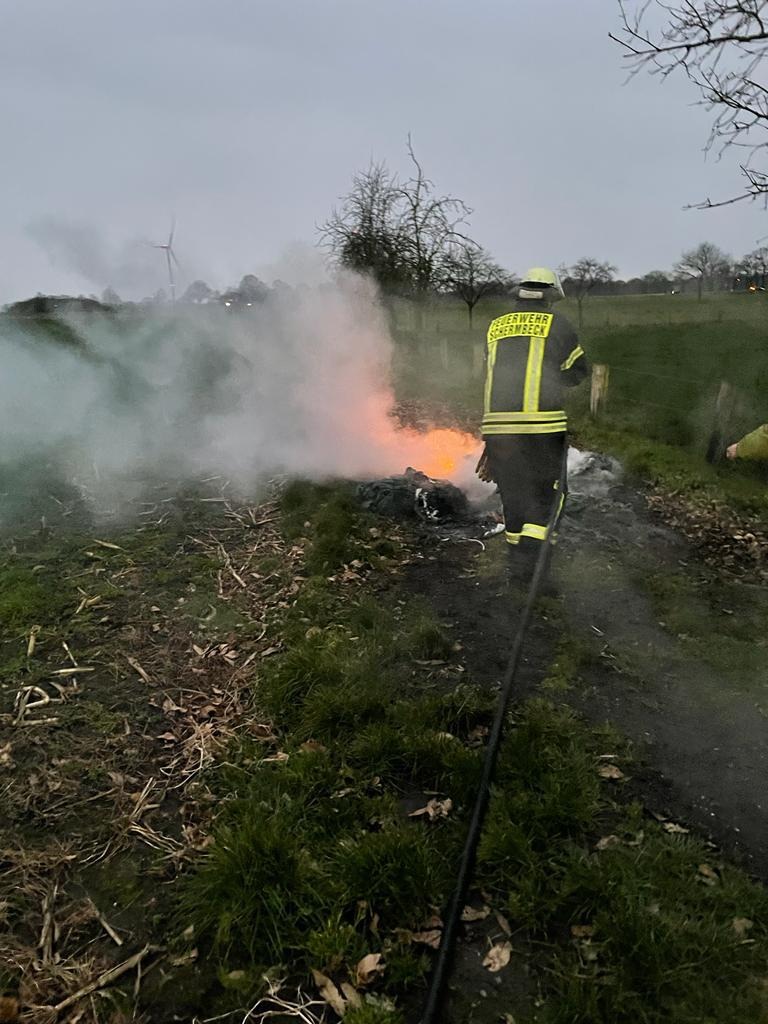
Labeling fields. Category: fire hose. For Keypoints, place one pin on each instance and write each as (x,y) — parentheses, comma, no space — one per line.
(433,1006)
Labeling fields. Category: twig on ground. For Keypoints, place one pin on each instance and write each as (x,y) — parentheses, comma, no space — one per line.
(106,925)
(105,979)
(138,669)
(48,931)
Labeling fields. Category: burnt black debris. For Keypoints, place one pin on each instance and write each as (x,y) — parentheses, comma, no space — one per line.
(414,494)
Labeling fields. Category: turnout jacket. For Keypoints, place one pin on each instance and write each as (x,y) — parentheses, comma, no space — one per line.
(531,355)
(754,445)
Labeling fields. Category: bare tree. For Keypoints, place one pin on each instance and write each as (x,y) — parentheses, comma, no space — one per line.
(365,233)
(399,231)
(430,226)
(719,45)
(704,263)
(470,273)
(582,277)
(755,264)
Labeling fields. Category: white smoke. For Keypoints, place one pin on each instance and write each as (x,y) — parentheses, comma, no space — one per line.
(298,385)
(83,250)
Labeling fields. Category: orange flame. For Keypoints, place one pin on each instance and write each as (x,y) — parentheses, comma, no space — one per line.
(446,451)
(441,453)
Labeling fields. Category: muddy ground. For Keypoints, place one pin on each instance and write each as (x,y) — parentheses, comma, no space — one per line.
(699,728)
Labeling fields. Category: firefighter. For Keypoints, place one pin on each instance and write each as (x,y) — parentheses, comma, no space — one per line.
(753,446)
(532,354)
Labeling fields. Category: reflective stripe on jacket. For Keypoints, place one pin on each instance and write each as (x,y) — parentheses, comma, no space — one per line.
(532,354)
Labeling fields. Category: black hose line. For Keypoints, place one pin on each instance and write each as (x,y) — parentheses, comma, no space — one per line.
(434,1004)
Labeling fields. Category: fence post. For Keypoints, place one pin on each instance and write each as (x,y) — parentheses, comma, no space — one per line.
(723,412)
(601,374)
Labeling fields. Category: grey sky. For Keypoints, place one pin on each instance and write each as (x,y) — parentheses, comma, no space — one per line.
(247,118)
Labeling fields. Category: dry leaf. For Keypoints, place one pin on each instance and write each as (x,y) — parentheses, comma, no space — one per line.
(9,1009)
(470,914)
(5,755)
(330,993)
(351,995)
(674,829)
(503,923)
(477,736)
(707,875)
(498,956)
(368,969)
(610,771)
(582,931)
(313,747)
(435,809)
(277,758)
(741,925)
(429,938)
(607,842)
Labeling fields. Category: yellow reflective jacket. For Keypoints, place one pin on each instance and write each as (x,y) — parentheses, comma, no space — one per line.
(532,354)
(754,445)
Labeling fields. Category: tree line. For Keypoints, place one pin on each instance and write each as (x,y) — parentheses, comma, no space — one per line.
(415,242)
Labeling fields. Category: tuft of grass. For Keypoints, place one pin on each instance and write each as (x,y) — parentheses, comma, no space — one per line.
(373,1012)
(427,640)
(28,597)
(547,796)
(720,622)
(673,937)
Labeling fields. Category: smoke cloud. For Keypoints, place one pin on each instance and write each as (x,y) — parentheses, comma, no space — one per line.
(133,267)
(297,385)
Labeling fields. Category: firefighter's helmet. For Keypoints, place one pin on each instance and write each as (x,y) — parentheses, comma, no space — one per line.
(544,280)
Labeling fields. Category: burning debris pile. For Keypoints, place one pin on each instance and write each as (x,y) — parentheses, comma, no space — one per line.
(415,494)
(469,503)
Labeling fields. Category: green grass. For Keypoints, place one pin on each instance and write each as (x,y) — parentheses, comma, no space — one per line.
(716,621)
(315,862)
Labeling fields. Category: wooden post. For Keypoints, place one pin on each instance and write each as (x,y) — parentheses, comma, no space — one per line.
(723,411)
(601,374)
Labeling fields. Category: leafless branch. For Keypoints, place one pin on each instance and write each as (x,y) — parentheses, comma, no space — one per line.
(720,45)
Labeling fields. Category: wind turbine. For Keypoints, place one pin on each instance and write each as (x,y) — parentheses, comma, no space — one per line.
(170,258)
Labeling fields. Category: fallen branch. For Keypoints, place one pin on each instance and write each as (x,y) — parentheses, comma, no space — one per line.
(106,978)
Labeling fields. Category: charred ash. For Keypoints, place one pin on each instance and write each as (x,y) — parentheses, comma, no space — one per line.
(414,495)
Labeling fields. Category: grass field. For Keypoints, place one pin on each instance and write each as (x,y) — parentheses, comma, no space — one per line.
(292,845)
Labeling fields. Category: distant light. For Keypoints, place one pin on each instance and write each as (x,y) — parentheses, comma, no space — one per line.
(250,303)
(227,303)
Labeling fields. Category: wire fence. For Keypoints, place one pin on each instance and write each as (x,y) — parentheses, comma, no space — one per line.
(700,413)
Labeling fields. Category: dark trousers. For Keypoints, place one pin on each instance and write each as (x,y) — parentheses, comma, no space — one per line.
(527,469)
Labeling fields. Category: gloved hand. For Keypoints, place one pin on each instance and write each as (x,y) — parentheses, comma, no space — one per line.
(483,468)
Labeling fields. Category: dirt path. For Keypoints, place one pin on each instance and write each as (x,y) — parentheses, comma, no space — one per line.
(671,655)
